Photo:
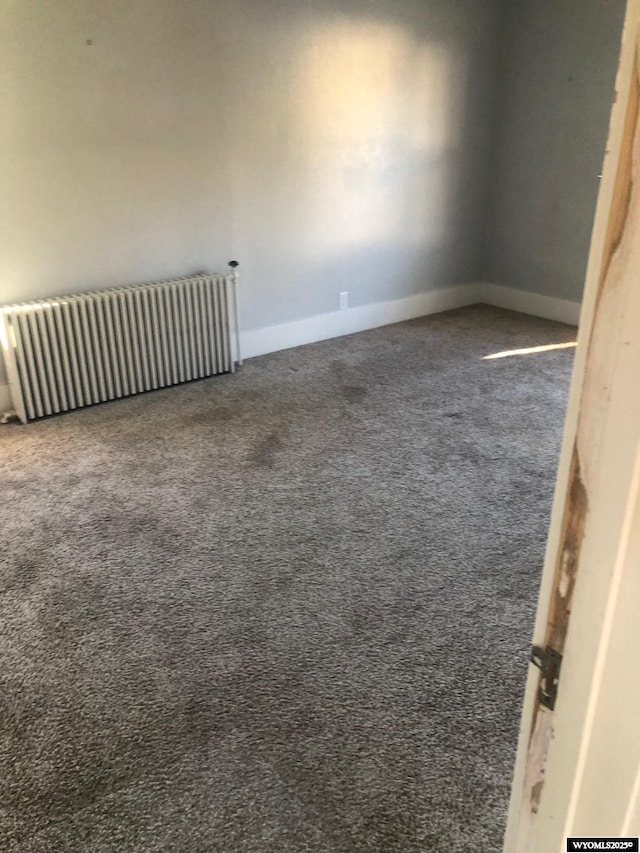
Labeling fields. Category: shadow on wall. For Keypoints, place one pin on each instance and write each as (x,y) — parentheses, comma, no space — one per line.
(558,68)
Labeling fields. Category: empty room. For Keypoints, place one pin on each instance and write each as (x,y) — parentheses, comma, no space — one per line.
(289,302)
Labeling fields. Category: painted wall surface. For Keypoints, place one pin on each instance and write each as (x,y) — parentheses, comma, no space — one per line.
(326,145)
(557,72)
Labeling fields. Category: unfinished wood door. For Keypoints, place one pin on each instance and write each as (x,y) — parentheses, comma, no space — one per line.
(578,765)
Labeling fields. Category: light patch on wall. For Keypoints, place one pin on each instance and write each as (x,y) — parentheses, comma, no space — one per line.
(351,76)
(373,121)
(530,350)
(437,99)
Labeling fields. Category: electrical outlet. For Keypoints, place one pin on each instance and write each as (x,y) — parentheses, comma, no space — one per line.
(343,300)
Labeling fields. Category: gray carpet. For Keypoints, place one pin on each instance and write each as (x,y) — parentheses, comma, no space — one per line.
(287,610)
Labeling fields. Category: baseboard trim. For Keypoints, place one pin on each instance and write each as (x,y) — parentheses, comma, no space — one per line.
(527,302)
(337,323)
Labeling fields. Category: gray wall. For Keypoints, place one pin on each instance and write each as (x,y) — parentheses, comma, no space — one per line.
(329,145)
(558,66)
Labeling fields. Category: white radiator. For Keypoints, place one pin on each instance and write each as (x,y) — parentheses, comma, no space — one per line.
(67,352)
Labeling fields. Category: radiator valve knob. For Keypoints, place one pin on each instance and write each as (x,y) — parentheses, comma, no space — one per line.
(233,264)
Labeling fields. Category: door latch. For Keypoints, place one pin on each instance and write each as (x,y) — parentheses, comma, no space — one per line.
(548,661)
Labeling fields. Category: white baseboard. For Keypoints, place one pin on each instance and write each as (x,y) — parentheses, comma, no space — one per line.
(337,323)
(324,326)
(527,302)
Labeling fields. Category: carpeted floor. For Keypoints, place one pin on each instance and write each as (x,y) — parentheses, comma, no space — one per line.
(283,611)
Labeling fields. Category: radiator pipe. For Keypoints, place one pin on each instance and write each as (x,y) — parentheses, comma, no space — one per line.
(234,274)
